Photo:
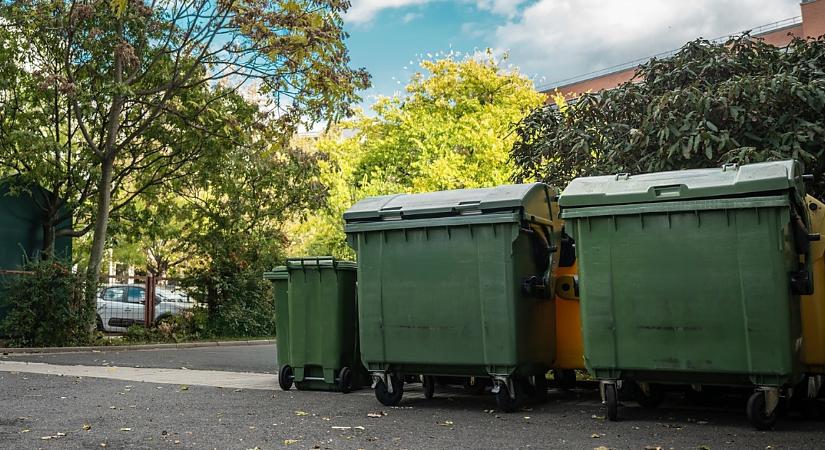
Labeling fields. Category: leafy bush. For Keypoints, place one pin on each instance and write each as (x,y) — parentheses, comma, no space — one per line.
(189,325)
(47,308)
(239,301)
(738,102)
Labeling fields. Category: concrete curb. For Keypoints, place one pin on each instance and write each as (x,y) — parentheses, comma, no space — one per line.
(117,348)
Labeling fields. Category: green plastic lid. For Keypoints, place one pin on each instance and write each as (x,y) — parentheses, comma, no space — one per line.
(278,273)
(319,262)
(533,198)
(727,181)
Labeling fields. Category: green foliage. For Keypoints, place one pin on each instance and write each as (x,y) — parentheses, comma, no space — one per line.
(741,101)
(47,308)
(452,129)
(189,325)
(240,301)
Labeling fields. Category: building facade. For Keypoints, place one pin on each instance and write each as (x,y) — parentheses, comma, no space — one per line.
(810,23)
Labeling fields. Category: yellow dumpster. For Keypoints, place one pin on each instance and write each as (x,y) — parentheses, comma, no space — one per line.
(813,306)
(569,346)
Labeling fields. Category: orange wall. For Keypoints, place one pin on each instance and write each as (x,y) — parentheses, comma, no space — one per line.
(781,38)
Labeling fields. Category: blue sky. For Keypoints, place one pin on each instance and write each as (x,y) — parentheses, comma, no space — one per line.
(548,40)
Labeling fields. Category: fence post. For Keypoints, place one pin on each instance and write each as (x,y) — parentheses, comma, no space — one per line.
(149,304)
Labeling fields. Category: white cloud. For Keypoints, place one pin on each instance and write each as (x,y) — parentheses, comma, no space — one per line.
(507,8)
(562,38)
(410,16)
(363,11)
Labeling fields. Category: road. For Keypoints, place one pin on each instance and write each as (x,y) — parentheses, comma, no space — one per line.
(250,358)
(134,414)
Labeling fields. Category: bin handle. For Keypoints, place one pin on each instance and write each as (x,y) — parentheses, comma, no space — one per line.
(622,176)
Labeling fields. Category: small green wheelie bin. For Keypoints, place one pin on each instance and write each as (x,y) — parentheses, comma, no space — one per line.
(692,277)
(457,284)
(317,324)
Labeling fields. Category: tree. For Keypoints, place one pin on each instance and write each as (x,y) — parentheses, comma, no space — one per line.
(742,101)
(134,87)
(452,129)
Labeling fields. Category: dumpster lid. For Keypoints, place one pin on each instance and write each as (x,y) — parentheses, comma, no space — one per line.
(278,273)
(726,181)
(534,198)
(318,262)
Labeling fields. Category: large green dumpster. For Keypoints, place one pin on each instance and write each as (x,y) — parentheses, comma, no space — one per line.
(692,277)
(456,283)
(317,324)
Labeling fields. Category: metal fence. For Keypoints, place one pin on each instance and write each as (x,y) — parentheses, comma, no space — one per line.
(121,300)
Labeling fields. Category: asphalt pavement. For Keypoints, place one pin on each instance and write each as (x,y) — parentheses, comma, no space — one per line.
(49,411)
(249,358)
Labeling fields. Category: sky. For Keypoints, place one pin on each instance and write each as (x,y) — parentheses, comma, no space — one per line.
(547,40)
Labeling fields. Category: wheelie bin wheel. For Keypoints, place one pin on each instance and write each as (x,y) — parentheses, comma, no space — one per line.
(654,397)
(611,399)
(428,382)
(756,412)
(565,378)
(285,377)
(384,396)
(507,403)
(345,380)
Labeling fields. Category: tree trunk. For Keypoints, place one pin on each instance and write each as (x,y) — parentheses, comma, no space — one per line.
(104,200)
(47,250)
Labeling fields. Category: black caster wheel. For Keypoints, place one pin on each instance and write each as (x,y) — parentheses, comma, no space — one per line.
(285,377)
(345,380)
(611,400)
(507,403)
(384,396)
(428,382)
(654,397)
(565,378)
(756,412)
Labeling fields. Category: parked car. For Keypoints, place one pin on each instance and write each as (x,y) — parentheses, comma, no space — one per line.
(122,305)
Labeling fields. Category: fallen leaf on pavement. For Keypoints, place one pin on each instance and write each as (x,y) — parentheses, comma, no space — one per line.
(597,417)
(601,448)
(184,387)
(125,429)
(341,428)
(446,423)
(60,434)
(45,438)
(86,427)
(301,413)
(595,435)
(377,414)
(26,431)
(290,441)
(359,428)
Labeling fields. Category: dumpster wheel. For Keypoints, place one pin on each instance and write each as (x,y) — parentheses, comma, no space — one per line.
(428,382)
(510,403)
(611,400)
(285,377)
(757,411)
(384,396)
(345,380)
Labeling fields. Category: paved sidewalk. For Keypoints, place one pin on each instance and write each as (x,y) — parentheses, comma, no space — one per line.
(214,378)
(28,350)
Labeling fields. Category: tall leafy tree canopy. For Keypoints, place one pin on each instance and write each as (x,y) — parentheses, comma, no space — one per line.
(452,129)
(104,100)
(741,101)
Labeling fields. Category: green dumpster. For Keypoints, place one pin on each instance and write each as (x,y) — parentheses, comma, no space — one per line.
(456,283)
(317,324)
(692,277)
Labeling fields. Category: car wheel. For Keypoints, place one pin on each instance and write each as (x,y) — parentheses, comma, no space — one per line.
(99,323)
